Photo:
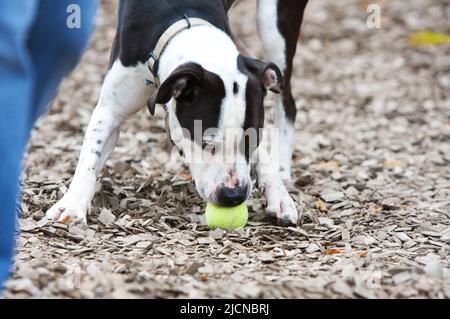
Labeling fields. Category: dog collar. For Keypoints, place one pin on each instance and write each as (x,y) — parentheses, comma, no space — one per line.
(169,34)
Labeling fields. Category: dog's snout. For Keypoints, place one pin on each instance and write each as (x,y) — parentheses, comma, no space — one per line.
(228,197)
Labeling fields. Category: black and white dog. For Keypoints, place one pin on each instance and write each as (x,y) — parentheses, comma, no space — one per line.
(182,54)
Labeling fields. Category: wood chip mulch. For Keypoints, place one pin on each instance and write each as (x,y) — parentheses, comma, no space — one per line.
(371,178)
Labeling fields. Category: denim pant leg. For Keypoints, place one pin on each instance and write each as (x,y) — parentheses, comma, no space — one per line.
(60,34)
(16,87)
(38,48)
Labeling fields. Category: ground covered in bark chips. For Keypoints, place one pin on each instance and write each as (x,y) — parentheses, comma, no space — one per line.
(371,176)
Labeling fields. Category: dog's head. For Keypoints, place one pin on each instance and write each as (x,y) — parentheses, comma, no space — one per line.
(215,119)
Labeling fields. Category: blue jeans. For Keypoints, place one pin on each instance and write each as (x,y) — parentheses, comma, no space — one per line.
(40,42)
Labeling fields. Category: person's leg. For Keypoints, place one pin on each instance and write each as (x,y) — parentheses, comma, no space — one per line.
(16,18)
(30,74)
(56,42)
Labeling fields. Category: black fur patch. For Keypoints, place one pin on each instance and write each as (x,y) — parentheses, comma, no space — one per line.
(235,88)
(142,22)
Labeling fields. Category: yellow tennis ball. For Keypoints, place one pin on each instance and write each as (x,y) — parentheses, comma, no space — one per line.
(228,218)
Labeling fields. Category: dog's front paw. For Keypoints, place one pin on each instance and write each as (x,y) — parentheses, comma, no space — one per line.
(280,204)
(68,209)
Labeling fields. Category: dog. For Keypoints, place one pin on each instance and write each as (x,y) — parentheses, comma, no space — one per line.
(184,56)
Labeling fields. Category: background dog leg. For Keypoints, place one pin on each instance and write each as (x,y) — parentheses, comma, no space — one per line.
(279,28)
(123,93)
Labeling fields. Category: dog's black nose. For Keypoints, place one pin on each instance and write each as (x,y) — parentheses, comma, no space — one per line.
(228,197)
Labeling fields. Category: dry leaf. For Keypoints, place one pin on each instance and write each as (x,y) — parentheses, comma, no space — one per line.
(330,165)
(333,251)
(320,205)
(394,163)
(428,38)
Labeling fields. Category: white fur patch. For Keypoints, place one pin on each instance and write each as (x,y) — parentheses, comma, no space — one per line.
(215,52)
(208,46)
(286,131)
(273,42)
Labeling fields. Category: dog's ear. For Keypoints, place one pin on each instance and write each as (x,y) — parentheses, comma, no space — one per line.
(268,73)
(179,85)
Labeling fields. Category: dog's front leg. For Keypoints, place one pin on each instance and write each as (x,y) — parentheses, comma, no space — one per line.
(123,93)
(279,203)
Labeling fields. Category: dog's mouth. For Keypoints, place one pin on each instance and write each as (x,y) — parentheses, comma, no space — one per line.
(224,196)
